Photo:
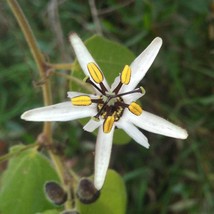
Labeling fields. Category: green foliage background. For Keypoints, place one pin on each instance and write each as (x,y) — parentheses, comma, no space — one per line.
(172,176)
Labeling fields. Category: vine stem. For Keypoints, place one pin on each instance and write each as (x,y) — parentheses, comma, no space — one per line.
(9,155)
(61,66)
(43,72)
(37,55)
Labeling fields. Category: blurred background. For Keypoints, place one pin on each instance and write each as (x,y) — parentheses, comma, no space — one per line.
(173,176)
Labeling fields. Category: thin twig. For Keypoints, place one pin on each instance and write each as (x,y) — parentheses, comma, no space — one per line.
(52,12)
(112,9)
(95,17)
(9,155)
(61,66)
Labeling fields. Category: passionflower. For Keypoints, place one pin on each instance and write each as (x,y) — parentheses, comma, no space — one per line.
(110,107)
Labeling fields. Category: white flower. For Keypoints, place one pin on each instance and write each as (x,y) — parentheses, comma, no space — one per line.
(110,107)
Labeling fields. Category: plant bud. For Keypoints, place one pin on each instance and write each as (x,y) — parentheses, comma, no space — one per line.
(55,193)
(86,191)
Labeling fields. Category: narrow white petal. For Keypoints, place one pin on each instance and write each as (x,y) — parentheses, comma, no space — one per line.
(142,63)
(91,125)
(115,83)
(134,133)
(158,125)
(132,97)
(83,55)
(102,156)
(59,112)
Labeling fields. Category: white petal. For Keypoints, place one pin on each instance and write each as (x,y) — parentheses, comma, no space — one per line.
(83,55)
(102,156)
(132,97)
(158,125)
(142,63)
(91,125)
(115,83)
(60,112)
(134,133)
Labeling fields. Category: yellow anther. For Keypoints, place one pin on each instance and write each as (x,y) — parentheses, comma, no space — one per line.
(81,100)
(135,109)
(95,72)
(108,124)
(125,75)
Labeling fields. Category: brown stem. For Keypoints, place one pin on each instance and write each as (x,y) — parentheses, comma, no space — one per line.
(61,66)
(43,72)
(31,41)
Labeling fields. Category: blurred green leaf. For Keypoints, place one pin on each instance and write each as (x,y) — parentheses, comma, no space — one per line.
(112,198)
(23,181)
(49,212)
(197,6)
(111,57)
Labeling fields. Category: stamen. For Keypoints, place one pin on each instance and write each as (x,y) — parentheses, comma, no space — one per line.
(138,90)
(108,124)
(135,109)
(125,78)
(95,72)
(97,76)
(103,107)
(104,89)
(81,100)
(95,86)
(116,90)
(96,100)
(125,75)
(122,104)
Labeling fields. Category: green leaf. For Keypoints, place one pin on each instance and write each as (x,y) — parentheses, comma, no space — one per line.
(23,181)
(49,212)
(112,199)
(111,58)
